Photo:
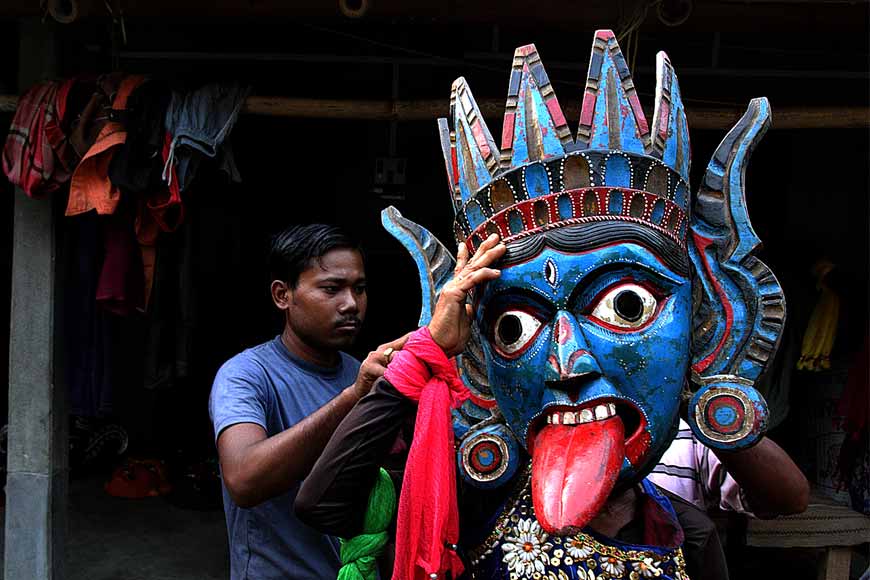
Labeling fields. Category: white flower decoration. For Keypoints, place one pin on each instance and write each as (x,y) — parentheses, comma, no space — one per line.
(524,551)
(647,568)
(613,566)
(578,549)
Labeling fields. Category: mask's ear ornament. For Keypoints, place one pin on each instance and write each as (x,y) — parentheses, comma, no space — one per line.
(739,308)
(488,454)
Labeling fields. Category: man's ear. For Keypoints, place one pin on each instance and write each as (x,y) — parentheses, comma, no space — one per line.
(282,294)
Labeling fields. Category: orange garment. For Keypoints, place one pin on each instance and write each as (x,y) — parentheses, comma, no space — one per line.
(90,187)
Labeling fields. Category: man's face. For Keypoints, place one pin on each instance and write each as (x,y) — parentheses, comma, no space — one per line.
(575,339)
(328,305)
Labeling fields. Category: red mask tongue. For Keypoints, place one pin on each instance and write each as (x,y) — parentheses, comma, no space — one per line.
(574,468)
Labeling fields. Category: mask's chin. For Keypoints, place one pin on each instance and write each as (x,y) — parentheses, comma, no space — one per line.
(577,454)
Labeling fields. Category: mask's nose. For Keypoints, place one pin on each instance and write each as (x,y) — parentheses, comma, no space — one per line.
(569,356)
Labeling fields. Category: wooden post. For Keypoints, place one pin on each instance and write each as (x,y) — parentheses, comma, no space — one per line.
(36,486)
(835,563)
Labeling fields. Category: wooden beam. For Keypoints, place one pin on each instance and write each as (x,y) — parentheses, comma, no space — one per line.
(809,117)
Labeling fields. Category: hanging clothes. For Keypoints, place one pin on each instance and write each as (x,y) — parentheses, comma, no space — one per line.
(170,317)
(121,285)
(853,463)
(164,202)
(29,160)
(91,334)
(200,123)
(136,165)
(71,98)
(91,188)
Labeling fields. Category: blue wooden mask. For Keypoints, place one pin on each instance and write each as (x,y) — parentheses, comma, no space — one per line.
(619,291)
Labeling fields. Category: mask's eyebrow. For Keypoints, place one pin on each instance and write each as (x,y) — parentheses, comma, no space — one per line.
(595,278)
(641,257)
(660,270)
(531,294)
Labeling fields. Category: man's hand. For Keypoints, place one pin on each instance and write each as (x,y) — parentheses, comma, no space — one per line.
(374,365)
(451,322)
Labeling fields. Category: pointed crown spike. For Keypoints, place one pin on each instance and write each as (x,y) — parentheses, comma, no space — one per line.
(616,167)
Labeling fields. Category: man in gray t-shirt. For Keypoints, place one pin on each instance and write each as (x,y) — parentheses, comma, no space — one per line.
(275,406)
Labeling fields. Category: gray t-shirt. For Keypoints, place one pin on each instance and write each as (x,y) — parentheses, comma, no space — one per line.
(268,386)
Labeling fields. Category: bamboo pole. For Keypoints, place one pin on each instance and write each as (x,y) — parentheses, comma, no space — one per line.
(721,118)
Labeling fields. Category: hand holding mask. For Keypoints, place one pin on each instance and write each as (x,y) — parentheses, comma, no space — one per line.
(451,323)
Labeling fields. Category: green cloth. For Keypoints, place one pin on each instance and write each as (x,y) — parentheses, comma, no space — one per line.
(359,554)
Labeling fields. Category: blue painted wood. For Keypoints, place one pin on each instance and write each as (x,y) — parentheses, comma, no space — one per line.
(477,153)
(732,278)
(495,448)
(434,262)
(617,171)
(435,267)
(740,293)
(614,126)
(536,181)
(728,415)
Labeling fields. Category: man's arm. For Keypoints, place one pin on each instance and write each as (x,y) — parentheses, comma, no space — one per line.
(334,496)
(773,484)
(256,467)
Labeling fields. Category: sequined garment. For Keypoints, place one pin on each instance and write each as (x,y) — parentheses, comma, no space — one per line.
(519,549)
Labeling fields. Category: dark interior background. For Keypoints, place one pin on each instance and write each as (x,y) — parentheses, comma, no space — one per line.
(807,189)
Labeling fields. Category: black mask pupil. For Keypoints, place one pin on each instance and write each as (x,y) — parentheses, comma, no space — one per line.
(629,305)
(510,329)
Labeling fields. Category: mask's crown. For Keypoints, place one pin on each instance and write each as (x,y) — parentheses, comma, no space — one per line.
(542,177)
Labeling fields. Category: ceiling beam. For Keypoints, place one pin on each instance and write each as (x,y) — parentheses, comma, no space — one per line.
(721,118)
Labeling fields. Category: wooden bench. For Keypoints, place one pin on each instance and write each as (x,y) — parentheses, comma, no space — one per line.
(834,528)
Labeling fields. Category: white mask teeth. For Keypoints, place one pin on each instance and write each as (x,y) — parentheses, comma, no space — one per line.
(597,413)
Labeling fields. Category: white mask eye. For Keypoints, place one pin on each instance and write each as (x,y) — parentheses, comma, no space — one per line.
(627,306)
(514,329)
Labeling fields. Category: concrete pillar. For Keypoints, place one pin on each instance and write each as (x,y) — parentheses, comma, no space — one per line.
(36,485)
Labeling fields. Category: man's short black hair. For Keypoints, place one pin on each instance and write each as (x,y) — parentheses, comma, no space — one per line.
(296,248)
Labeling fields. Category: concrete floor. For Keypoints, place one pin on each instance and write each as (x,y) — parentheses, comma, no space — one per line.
(142,539)
(150,539)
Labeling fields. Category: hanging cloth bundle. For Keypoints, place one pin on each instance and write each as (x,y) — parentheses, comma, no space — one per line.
(359,554)
(822,327)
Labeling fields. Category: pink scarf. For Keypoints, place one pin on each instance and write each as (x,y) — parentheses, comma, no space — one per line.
(428,519)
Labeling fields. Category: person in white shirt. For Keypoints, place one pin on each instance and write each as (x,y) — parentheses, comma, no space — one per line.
(761,481)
